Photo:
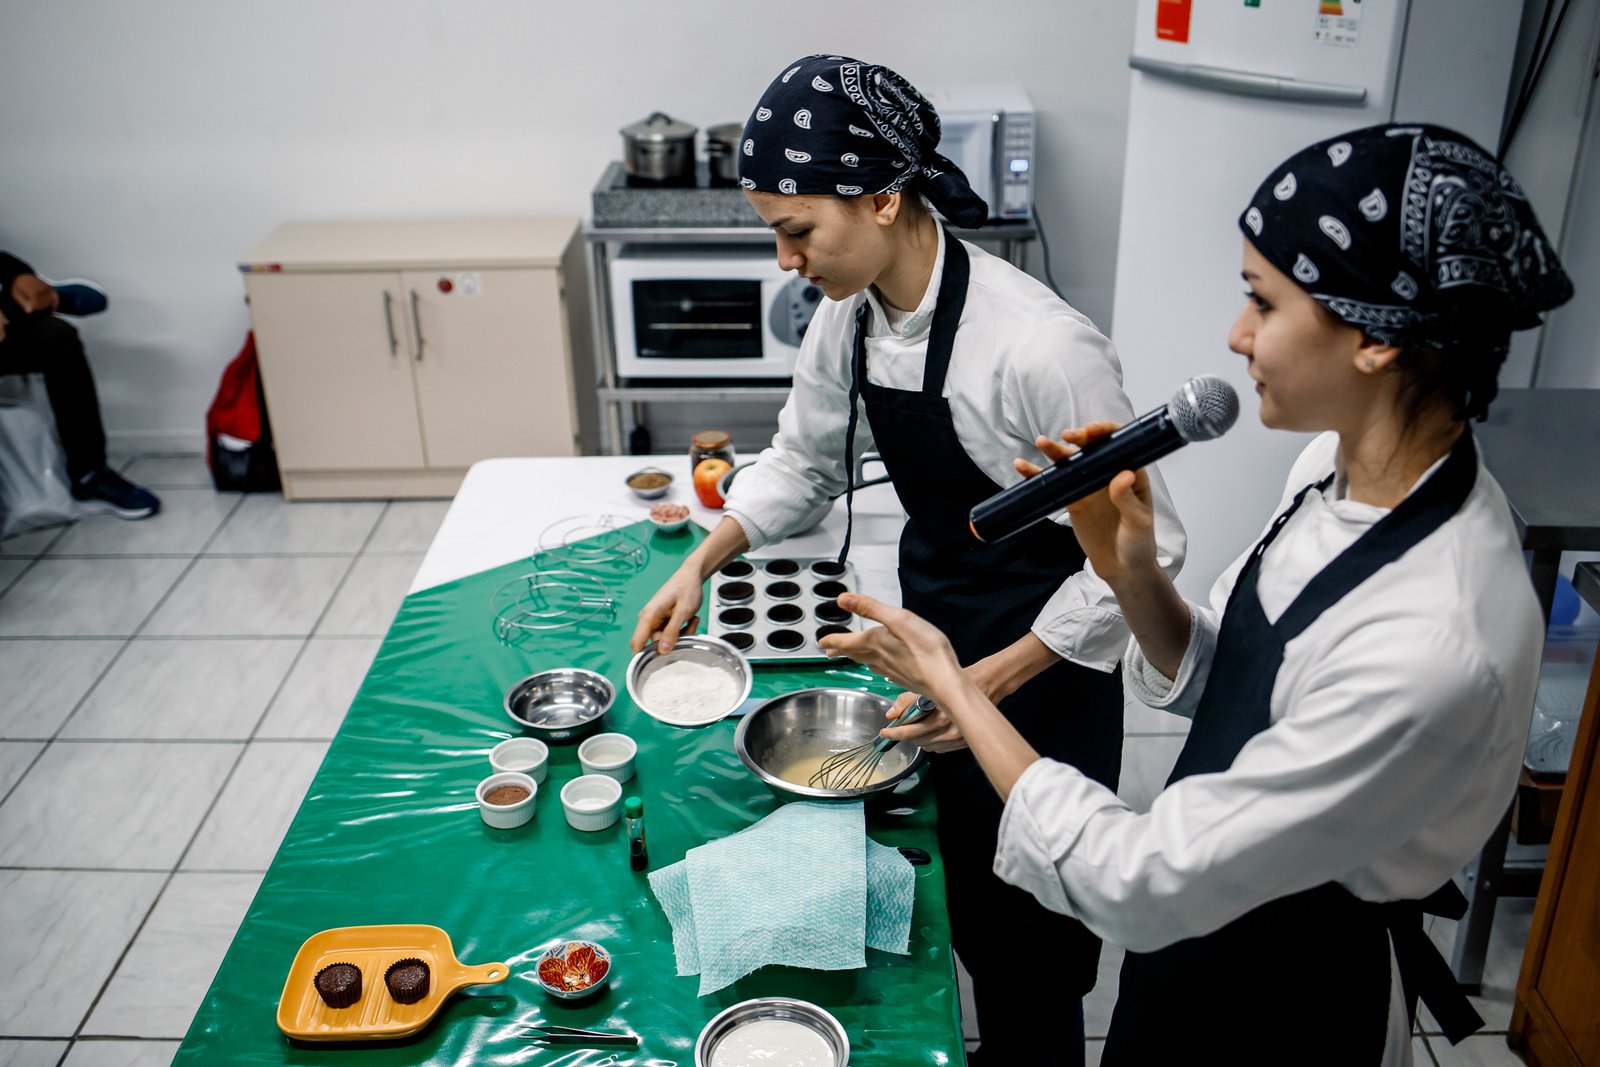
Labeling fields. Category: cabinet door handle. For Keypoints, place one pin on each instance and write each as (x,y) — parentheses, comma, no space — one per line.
(388,322)
(416,323)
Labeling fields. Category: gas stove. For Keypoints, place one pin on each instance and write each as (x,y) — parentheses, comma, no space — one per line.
(617,202)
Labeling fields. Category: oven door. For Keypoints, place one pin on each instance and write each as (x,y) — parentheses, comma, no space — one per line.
(710,315)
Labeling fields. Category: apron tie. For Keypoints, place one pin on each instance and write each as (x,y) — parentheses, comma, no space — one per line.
(1424,973)
(856,361)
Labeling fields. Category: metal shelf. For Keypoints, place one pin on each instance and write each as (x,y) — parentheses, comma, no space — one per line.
(1012,237)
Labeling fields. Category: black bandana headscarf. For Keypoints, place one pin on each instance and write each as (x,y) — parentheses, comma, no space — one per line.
(833,126)
(1414,235)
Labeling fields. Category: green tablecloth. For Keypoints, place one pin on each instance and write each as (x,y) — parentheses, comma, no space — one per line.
(389,833)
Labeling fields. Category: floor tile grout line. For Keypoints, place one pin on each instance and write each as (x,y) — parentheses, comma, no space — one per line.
(276,693)
(171,873)
(128,641)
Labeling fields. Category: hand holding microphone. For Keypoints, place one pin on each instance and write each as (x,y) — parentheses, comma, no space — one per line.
(1202,409)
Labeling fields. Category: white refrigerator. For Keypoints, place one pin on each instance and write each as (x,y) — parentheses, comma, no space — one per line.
(1223,90)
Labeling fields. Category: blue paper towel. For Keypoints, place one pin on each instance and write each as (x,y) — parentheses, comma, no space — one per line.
(802,887)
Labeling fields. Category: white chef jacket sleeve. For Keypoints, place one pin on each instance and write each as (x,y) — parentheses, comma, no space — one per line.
(804,468)
(1066,375)
(1181,695)
(1387,735)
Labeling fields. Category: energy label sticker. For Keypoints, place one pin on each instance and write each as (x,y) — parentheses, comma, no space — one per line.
(1338,22)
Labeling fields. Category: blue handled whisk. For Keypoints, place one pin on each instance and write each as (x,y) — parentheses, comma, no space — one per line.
(854,767)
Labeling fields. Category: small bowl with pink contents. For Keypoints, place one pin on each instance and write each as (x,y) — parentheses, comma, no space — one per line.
(668,517)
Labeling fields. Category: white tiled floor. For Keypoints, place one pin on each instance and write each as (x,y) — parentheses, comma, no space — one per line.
(214,649)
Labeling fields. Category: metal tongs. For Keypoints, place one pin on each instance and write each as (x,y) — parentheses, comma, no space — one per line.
(569,1035)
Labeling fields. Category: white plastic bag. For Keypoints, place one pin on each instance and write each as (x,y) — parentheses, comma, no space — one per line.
(33,469)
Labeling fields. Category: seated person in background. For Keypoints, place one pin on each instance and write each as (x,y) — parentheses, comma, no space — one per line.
(34,341)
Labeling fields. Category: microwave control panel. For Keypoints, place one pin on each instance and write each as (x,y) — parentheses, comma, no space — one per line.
(792,309)
(1014,165)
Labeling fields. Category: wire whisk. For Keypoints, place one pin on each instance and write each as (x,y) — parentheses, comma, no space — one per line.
(854,767)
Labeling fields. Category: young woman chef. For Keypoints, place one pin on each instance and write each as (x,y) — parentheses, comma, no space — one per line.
(1360,686)
(959,361)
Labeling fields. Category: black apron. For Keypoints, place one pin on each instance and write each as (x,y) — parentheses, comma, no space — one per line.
(984,597)
(1304,978)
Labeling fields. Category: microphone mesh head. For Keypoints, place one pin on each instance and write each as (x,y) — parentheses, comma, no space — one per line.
(1203,408)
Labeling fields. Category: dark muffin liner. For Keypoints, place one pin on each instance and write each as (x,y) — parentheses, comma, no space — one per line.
(336,989)
(407,980)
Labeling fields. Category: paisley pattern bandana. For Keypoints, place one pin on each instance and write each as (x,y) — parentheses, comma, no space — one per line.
(1411,233)
(834,126)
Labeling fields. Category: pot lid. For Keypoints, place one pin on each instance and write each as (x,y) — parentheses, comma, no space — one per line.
(727,132)
(659,127)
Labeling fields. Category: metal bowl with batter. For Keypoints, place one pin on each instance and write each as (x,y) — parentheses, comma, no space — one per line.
(791,732)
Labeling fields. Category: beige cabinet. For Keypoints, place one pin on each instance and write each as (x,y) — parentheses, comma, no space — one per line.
(395,355)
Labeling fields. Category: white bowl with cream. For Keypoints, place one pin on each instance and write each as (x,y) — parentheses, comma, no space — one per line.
(525,755)
(609,754)
(592,802)
(772,1032)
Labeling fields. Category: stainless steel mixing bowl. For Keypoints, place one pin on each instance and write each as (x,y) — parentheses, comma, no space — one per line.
(816,722)
(746,1012)
(560,705)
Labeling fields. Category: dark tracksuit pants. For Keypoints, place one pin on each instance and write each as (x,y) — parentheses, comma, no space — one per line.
(41,343)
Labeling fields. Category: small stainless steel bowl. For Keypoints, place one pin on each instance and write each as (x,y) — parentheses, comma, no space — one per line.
(818,722)
(787,1009)
(650,494)
(565,704)
(696,648)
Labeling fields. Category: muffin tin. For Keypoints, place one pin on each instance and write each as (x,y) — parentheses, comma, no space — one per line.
(775,610)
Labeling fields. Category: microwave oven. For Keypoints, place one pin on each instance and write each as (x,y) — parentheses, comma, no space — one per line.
(690,311)
(987,129)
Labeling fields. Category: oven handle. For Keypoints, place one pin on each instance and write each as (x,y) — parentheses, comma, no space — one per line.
(860,481)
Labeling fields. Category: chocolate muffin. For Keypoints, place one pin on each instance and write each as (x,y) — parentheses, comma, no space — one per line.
(407,980)
(339,984)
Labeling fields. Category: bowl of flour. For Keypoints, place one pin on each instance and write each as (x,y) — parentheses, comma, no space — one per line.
(699,682)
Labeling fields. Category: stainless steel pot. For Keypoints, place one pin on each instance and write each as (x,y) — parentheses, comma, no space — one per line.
(722,152)
(659,150)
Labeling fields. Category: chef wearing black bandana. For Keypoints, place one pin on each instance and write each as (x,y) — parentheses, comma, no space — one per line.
(1360,685)
(949,362)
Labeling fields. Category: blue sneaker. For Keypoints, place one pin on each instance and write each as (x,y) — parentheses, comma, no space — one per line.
(79,296)
(106,490)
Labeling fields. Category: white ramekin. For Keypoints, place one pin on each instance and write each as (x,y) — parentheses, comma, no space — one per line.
(609,754)
(505,816)
(592,801)
(527,755)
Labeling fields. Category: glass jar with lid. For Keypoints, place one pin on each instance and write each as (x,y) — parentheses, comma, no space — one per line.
(710,457)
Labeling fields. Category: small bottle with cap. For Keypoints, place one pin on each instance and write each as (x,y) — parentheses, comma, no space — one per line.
(633,817)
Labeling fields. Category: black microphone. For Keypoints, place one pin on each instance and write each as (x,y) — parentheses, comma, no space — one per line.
(1203,408)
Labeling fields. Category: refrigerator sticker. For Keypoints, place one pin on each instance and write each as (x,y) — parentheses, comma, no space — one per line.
(469,284)
(1172,20)
(1338,23)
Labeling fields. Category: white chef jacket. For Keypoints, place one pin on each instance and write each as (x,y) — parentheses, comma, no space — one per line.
(1399,719)
(1024,364)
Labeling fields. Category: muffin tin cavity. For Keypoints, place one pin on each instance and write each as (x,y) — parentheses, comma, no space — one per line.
(736,618)
(735,593)
(785,640)
(775,610)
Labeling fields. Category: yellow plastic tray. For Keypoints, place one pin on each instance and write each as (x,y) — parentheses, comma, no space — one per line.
(302,1013)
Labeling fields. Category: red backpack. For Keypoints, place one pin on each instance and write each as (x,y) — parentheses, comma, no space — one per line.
(238,433)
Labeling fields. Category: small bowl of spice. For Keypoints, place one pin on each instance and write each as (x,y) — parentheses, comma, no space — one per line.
(698,683)
(649,484)
(507,799)
(572,970)
(669,518)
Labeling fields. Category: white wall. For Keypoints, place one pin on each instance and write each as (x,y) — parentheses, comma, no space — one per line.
(1556,158)
(150,144)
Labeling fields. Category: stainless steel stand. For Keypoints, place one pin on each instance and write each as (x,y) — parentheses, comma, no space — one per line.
(1012,238)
